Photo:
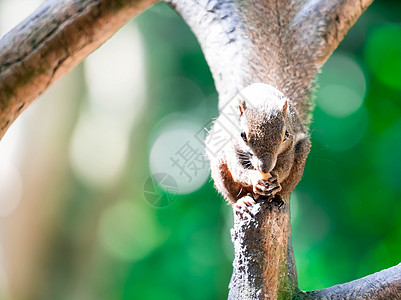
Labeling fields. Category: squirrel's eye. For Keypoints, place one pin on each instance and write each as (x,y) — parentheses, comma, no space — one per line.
(286,136)
(243,135)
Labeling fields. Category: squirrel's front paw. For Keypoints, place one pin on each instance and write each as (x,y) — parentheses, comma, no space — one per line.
(268,187)
(241,207)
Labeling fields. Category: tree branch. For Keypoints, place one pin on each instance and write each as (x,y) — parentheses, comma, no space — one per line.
(335,19)
(264,263)
(282,43)
(382,285)
(50,42)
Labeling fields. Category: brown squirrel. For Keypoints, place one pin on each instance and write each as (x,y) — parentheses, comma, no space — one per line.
(257,147)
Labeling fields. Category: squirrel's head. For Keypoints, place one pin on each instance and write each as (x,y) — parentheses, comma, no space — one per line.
(264,125)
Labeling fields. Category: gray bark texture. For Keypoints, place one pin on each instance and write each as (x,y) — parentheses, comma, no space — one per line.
(263,254)
(382,285)
(52,41)
(278,42)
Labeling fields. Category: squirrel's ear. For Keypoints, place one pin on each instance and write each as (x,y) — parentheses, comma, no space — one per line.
(285,107)
(241,107)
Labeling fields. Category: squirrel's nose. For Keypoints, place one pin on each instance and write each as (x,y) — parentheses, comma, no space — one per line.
(267,164)
(265,167)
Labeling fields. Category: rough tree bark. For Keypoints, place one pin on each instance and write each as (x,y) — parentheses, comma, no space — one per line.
(280,42)
(52,41)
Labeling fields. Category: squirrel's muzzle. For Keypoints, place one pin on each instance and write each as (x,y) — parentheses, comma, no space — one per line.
(267,164)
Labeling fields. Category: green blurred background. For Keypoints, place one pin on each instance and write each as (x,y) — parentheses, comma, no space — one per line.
(82,219)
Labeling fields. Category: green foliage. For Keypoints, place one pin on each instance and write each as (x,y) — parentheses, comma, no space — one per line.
(386,66)
(347,223)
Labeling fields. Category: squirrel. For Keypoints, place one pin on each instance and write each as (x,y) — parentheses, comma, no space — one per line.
(257,147)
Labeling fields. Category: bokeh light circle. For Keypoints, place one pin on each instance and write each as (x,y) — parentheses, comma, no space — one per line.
(98,150)
(11,188)
(340,134)
(383,54)
(341,86)
(177,151)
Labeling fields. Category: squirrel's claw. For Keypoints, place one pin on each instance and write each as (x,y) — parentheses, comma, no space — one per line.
(267,187)
(277,200)
(241,207)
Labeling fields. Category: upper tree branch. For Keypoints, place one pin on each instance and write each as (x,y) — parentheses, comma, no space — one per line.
(50,42)
(335,19)
(280,42)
